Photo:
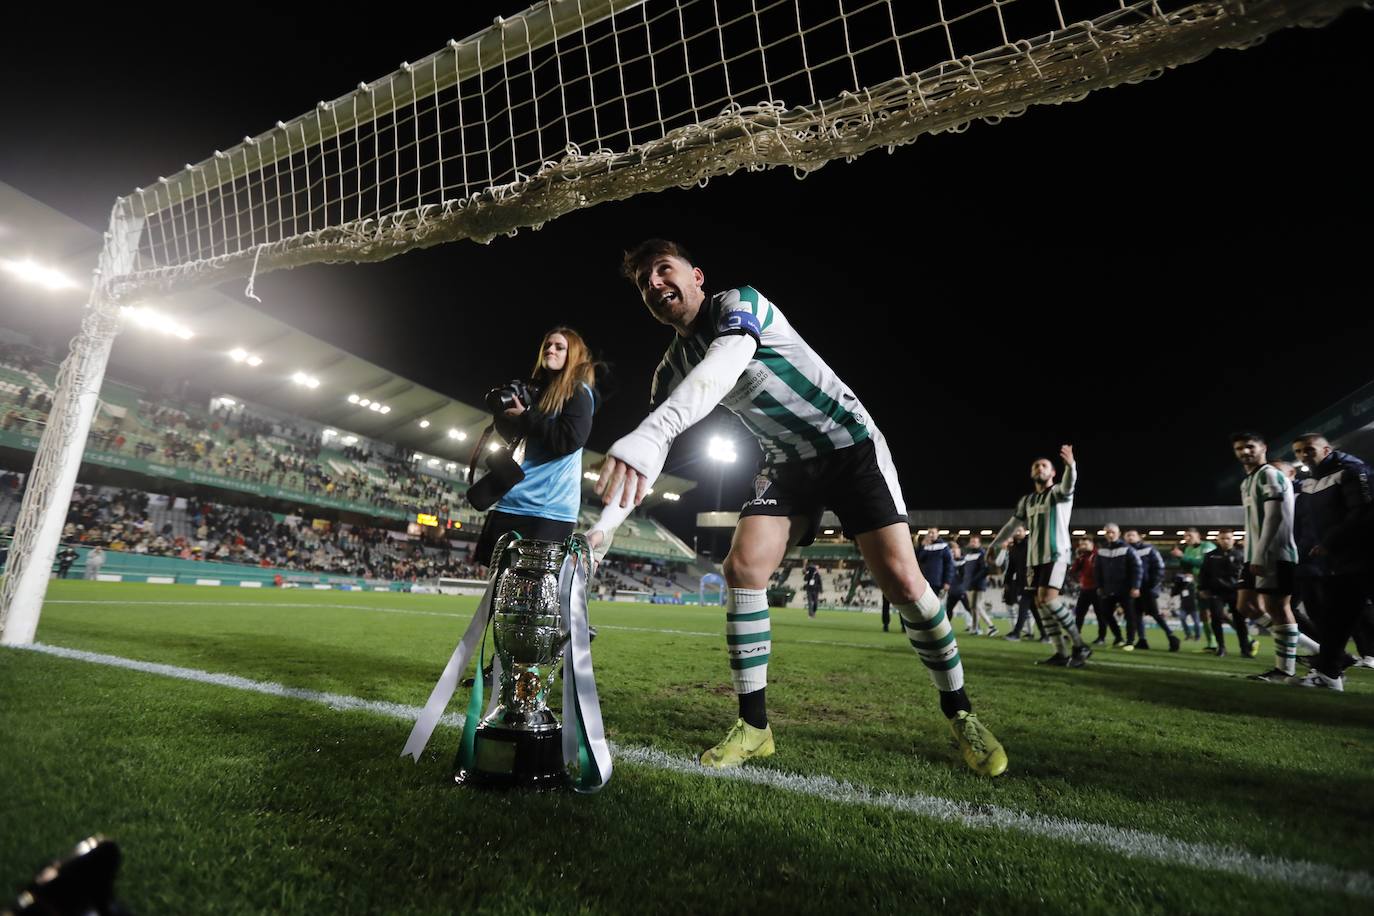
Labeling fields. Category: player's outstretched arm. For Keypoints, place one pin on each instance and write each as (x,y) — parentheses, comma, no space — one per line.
(637,459)
(1000,538)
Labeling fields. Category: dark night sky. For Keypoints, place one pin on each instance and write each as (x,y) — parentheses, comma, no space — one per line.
(1137,273)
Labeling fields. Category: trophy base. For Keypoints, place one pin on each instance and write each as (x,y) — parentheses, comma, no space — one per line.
(505,758)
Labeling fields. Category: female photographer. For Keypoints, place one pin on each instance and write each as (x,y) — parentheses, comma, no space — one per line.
(544,504)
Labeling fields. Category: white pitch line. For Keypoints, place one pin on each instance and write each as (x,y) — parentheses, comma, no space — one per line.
(1135,844)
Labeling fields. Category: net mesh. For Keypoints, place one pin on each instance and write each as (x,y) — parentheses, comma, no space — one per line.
(577,102)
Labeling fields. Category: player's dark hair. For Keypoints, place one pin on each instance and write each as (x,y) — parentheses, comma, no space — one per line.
(1247,436)
(638,259)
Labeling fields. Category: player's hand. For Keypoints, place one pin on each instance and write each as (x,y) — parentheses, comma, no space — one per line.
(618,477)
(594,540)
(944,590)
(517,410)
(1066,453)
(1256,570)
(1177,551)
(1135,593)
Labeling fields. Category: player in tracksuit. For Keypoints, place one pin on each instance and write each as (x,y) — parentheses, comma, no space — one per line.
(1116,569)
(1088,597)
(1216,583)
(1147,599)
(1333,566)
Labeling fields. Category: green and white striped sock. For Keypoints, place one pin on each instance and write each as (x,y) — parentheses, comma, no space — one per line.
(1286,647)
(928,630)
(1052,628)
(748,638)
(1059,608)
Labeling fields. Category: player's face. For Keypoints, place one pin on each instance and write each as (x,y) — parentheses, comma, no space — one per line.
(931,536)
(1226,540)
(1249,453)
(1192,538)
(555,352)
(1132,537)
(1312,452)
(975,543)
(671,288)
(1042,471)
(1113,533)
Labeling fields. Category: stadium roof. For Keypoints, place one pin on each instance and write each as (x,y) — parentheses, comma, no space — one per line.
(221,323)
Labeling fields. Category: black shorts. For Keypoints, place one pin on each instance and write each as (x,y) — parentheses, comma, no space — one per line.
(1273,580)
(858,482)
(529,526)
(1047,575)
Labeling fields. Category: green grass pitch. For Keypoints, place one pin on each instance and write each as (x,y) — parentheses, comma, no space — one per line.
(1216,794)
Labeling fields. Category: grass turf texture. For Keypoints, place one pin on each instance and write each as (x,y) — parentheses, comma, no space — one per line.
(229,801)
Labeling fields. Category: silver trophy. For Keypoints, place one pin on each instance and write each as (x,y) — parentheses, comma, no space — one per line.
(519,744)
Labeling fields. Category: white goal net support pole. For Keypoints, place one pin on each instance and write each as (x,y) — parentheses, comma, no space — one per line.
(48,493)
(575,102)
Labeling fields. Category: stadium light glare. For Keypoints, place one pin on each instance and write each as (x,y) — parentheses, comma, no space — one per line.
(494,447)
(1101,530)
(457,434)
(1153,533)
(238,354)
(386,408)
(353,399)
(720,449)
(304,380)
(964,531)
(349,440)
(254,361)
(29,271)
(672,497)
(424,424)
(363,402)
(1180,531)
(1079,532)
(328,433)
(228,402)
(433,462)
(985,532)
(154,320)
(375,407)
(590,475)
(451,466)
(828,531)
(416,457)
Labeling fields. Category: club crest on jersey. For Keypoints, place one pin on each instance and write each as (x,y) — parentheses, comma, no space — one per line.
(761,485)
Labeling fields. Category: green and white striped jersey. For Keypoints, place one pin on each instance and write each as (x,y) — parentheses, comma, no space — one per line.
(792,402)
(1267,483)
(1046,517)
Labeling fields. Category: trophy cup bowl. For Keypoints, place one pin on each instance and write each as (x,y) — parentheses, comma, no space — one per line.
(520,743)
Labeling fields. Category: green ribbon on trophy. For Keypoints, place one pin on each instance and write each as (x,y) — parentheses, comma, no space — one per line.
(538,616)
(584,736)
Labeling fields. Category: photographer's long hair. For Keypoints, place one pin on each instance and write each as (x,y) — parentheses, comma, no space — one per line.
(559,386)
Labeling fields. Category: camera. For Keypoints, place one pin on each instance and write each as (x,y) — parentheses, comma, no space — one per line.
(503,397)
